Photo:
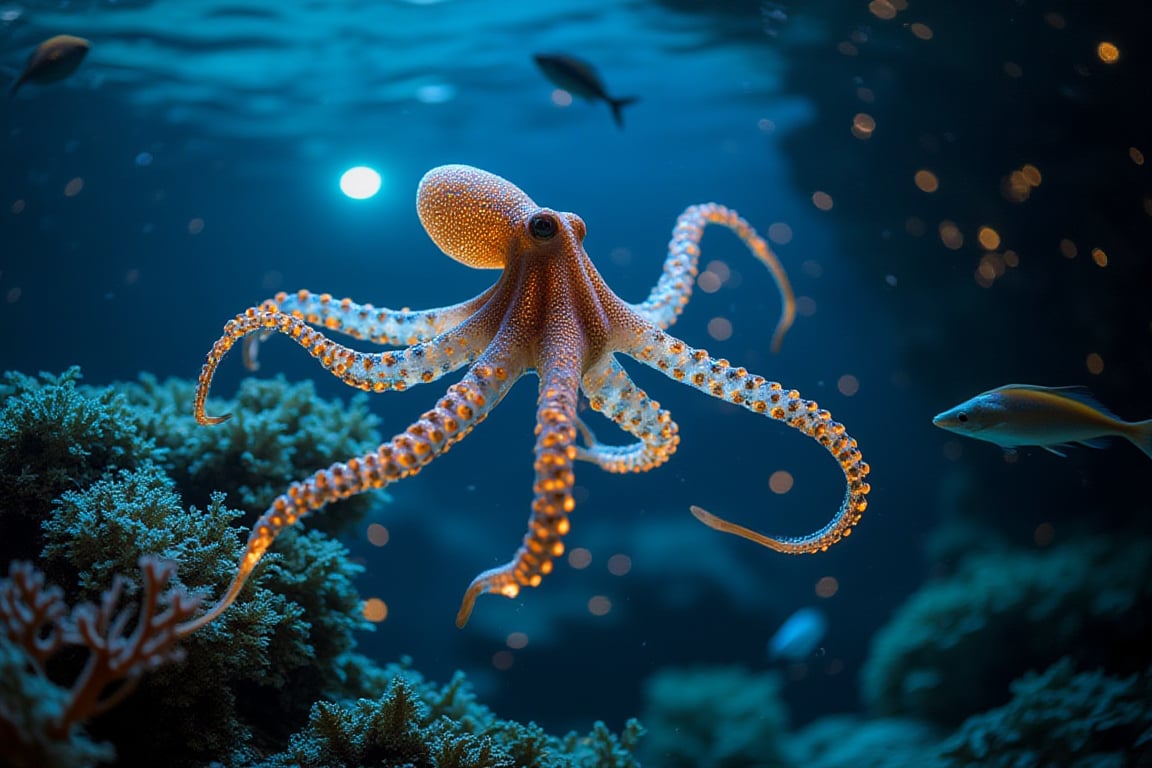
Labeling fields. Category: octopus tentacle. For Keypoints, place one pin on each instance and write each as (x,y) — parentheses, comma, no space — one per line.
(674,287)
(611,391)
(379,325)
(463,406)
(555,450)
(399,369)
(718,378)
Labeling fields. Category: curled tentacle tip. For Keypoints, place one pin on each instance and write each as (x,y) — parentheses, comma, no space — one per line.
(701,514)
(209,421)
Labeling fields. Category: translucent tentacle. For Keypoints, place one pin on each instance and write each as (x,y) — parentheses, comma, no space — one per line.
(463,406)
(555,449)
(379,325)
(611,391)
(735,385)
(399,369)
(674,288)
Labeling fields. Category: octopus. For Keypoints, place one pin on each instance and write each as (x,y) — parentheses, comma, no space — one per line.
(549,313)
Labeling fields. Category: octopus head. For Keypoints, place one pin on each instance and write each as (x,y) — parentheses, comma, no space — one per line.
(480,219)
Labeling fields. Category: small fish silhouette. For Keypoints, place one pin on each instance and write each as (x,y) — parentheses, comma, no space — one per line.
(52,61)
(1050,417)
(580,78)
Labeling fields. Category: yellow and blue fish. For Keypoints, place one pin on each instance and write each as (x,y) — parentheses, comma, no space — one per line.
(1048,417)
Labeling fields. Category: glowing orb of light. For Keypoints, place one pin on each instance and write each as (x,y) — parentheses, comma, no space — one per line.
(360,183)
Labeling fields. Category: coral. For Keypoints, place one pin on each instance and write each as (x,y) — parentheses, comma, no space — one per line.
(845,741)
(35,619)
(279,433)
(249,680)
(415,723)
(55,436)
(28,702)
(93,488)
(1059,717)
(955,646)
(714,717)
(238,668)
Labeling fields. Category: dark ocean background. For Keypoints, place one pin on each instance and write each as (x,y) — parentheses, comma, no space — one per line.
(210,136)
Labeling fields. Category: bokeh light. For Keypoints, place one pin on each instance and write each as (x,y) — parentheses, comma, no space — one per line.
(780,481)
(375,610)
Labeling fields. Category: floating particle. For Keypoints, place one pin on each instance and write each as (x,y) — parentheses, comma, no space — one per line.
(503,660)
(1043,535)
(516,640)
(922,31)
(1136,155)
(579,558)
(780,233)
(847,48)
(619,565)
(73,187)
(599,605)
(1099,257)
(827,586)
(915,226)
(989,238)
(822,200)
(882,9)
(1094,363)
(780,481)
(950,235)
(926,181)
(1108,52)
(720,328)
(1055,20)
(1068,249)
(849,385)
(377,535)
(720,269)
(195,226)
(863,124)
(375,610)
(709,282)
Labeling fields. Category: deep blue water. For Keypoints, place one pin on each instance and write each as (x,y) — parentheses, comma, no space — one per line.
(249,119)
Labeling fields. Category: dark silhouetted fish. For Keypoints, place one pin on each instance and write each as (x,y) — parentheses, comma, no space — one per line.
(580,78)
(53,60)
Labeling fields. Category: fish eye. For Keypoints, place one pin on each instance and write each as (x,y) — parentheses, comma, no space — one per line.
(543,226)
(962,417)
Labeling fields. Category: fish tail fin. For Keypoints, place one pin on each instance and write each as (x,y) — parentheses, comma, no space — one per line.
(618,108)
(1140,433)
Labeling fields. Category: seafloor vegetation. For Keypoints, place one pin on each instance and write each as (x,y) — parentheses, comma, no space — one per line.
(1012,658)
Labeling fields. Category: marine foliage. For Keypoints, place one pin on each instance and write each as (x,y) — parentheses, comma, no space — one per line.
(89,471)
(1061,717)
(714,717)
(98,479)
(952,649)
(416,723)
(279,432)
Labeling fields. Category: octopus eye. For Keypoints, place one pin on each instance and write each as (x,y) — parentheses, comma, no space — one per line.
(961,417)
(542,226)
